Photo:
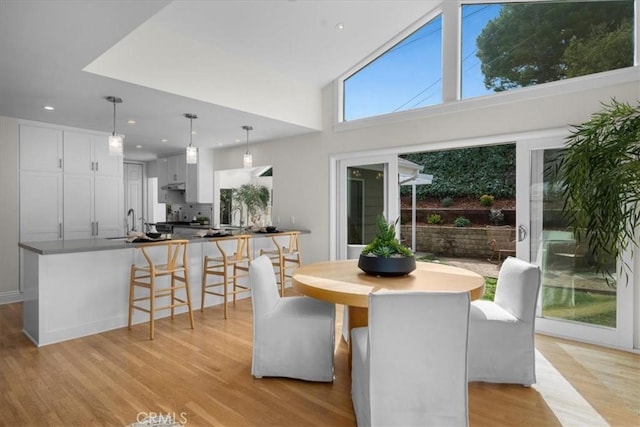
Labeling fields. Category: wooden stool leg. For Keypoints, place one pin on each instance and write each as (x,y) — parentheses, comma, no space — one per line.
(188,291)
(235,283)
(173,294)
(282,271)
(131,293)
(225,291)
(152,305)
(204,284)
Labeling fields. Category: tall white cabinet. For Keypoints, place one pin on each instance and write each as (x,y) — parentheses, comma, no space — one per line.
(70,188)
(93,188)
(41,183)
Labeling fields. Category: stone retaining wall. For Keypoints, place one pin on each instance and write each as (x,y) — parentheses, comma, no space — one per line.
(467,242)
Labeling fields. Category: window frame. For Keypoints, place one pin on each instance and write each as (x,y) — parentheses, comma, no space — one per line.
(451,11)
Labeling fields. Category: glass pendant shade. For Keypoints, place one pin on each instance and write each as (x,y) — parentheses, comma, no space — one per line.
(192,155)
(247,160)
(115,145)
(192,152)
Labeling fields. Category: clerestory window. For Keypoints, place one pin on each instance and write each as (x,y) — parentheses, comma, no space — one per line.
(407,76)
(512,45)
(503,46)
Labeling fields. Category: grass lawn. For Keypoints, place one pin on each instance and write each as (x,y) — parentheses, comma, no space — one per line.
(489,288)
(582,306)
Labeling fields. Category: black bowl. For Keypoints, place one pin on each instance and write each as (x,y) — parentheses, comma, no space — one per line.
(395,266)
(271,229)
(154,235)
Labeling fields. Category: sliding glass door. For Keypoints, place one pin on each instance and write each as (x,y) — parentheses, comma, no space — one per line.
(575,300)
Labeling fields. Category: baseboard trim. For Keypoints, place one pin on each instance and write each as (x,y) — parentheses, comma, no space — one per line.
(10,297)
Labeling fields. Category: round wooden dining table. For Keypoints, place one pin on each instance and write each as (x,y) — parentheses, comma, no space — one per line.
(342,282)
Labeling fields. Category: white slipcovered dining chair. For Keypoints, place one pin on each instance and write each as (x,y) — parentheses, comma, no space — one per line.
(409,366)
(292,337)
(501,332)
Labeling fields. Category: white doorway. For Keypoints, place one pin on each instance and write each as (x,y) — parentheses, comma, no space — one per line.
(365,188)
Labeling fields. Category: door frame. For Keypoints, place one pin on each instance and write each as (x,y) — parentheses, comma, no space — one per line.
(338,195)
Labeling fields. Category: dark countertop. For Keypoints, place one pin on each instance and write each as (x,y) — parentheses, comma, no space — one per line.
(89,245)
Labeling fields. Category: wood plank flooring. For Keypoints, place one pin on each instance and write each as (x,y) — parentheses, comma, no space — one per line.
(203,377)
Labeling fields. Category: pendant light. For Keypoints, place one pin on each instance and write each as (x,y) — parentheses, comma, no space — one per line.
(247,159)
(115,140)
(192,152)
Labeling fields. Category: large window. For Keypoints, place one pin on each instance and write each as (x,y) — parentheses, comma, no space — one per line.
(407,76)
(502,46)
(513,45)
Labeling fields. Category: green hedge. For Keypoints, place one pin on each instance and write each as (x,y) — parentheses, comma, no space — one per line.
(468,172)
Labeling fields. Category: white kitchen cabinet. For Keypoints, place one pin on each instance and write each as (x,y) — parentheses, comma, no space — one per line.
(90,207)
(162,165)
(199,185)
(177,169)
(70,188)
(40,206)
(40,183)
(93,188)
(109,215)
(78,206)
(40,149)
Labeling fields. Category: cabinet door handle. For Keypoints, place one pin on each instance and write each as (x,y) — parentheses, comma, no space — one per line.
(97,228)
(60,230)
(97,166)
(59,163)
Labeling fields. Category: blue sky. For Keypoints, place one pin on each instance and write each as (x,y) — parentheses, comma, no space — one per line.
(409,75)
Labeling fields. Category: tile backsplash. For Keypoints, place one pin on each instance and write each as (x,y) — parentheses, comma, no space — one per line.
(187,211)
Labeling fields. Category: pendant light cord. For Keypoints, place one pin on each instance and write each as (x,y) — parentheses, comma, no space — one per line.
(114,118)
(247,128)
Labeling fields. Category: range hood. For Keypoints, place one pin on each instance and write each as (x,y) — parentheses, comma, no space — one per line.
(181,186)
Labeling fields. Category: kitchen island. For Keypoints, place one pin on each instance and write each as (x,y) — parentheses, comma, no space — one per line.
(74,288)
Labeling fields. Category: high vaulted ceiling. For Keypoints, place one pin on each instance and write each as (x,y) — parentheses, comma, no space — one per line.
(233,63)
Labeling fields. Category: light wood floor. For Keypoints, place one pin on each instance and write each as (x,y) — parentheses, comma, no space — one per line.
(203,376)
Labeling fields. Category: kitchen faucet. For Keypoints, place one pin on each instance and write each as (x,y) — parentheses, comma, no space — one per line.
(133,216)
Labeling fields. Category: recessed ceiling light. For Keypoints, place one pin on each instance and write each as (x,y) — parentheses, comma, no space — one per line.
(164,140)
(237,140)
(340,26)
(131,122)
(138,146)
(193,132)
(48,107)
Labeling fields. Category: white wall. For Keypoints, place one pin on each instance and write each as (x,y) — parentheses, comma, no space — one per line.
(9,215)
(301,164)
